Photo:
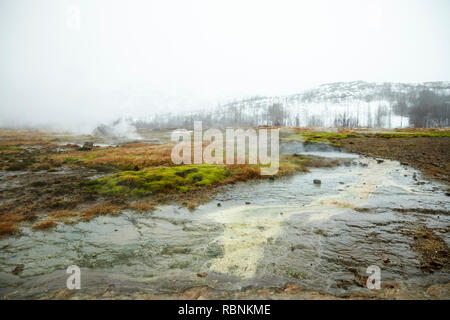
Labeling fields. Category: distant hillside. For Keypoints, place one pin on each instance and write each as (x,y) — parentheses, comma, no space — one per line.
(341,104)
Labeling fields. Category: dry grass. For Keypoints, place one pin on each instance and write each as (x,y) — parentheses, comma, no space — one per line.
(143,206)
(100,210)
(16,217)
(127,157)
(8,228)
(21,137)
(44,225)
(63,214)
(243,172)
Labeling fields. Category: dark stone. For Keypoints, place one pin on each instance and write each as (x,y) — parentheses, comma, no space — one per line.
(87,146)
(184,173)
(18,269)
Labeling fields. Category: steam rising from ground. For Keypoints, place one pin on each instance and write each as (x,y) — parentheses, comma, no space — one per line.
(120,130)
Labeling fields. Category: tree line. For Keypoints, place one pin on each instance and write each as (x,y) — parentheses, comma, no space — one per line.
(418,108)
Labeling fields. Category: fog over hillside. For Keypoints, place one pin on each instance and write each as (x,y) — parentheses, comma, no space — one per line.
(74,64)
(342,104)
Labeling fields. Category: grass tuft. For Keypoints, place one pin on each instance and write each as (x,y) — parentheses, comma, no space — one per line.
(100,210)
(8,228)
(44,225)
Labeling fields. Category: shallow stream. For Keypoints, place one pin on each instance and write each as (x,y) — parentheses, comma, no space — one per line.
(263,234)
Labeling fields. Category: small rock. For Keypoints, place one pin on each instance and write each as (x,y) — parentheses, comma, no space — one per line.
(219,205)
(380,161)
(87,146)
(94,255)
(202,274)
(18,269)
(247,203)
(317,181)
(343,284)
(389,285)
(443,231)
(364,165)
(386,260)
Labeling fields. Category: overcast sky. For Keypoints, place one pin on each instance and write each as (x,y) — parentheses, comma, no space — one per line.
(78,61)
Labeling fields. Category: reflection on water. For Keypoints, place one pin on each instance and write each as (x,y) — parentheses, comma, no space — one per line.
(264,233)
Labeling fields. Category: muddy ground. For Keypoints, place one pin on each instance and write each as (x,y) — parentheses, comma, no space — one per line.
(430,155)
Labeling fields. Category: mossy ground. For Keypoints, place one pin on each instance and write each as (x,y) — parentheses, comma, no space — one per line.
(152,181)
(336,138)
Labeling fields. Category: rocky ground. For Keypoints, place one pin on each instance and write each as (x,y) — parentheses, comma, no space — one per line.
(291,291)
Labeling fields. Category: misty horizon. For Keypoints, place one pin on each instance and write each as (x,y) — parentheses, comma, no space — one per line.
(76,64)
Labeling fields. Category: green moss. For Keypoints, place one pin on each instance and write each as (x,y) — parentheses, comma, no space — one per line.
(334,138)
(72,160)
(297,275)
(15,148)
(321,137)
(165,179)
(412,134)
(328,137)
